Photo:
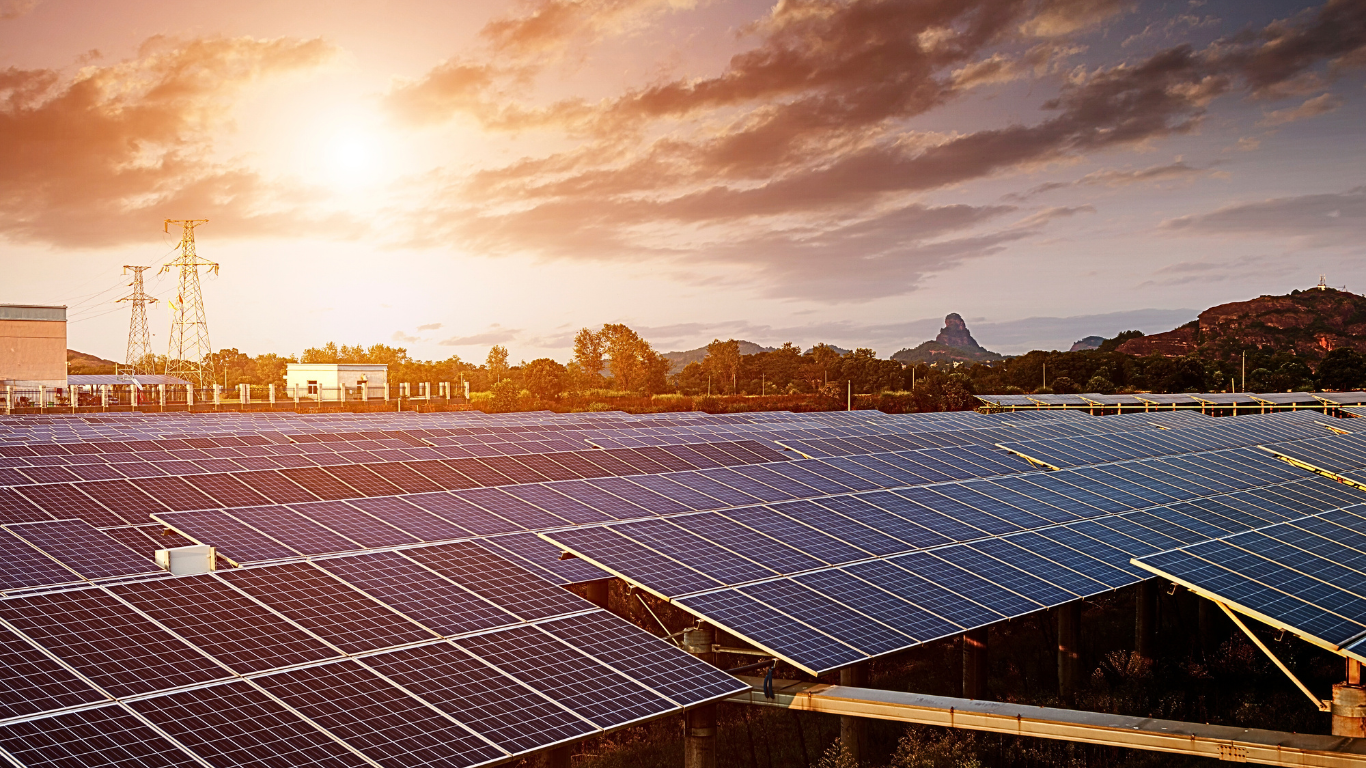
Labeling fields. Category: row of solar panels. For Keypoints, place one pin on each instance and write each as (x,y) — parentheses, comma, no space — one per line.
(542,466)
(1233,432)
(1196,399)
(829,617)
(445,655)
(1308,574)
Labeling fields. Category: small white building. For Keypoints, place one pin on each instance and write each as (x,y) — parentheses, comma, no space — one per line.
(326,381)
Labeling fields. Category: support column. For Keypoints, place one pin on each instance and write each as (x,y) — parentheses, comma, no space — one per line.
(189,397)
(975,664)
(1206,621)
(699,723)
(272,396)
(557,757)
(1145,620)
(854,730)
(1349,704)
(1069,649)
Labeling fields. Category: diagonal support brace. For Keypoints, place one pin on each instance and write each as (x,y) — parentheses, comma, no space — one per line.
(1323,706)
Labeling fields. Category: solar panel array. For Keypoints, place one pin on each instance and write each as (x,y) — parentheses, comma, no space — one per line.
(398,600)
(1307,575)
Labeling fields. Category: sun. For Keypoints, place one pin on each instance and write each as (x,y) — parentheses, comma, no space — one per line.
(353,157)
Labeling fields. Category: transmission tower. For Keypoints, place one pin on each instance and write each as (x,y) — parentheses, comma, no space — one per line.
(188,356)
(139,338)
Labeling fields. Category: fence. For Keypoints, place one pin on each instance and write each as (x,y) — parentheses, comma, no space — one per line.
(180,397)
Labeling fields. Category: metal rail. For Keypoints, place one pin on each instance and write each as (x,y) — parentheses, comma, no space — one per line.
(1246,745)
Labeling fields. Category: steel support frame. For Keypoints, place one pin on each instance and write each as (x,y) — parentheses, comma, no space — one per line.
(1215,741)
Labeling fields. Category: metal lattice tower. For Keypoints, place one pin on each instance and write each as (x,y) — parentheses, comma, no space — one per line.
(188,354)
(139,338)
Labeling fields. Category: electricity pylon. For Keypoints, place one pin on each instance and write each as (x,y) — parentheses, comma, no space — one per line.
(188,356)
(139,338)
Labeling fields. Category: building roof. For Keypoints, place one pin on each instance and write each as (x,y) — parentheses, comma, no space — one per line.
(32,312)
(140,380)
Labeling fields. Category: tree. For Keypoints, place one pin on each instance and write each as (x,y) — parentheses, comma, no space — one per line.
(1342,369)
(633,361)
(722,362)
(588,355)
(327,353)
(544,378)
(497,362)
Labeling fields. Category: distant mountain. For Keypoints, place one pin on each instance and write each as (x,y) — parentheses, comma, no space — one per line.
(1308,324)
(1090,342)
(953,344)
(679,360)
(80,362)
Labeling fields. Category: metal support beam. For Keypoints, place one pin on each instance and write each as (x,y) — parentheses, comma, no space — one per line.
(1069,649)
(1214,741)
(699,737)
(854,730)
(975,663)
(1323,706)
(1145,619)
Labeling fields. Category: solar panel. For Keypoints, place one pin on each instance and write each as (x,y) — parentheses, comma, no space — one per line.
(545,556)
(327,607)
(486,700)
(65,501)
(361,478)
(901,519)
(23,566)
(854,629)
(638,495)
(375,717)
(724,494)
(175,493)
(498,580)
(758,624)
(547,498)
(472,518)
(106,737)
(227,490)
(699,554)
(17,509)
(563,674)
(354,524)
(510,507)
(412,519)
(417,593)
(408,479)
(234,629)
(637,563)
(82,548)
(295,530)
(321,484)
(805,538)
(924,593)
(237,724)
(31,682)
(235,541)
(771,553)
(878,604)
(131,504)
(104,640)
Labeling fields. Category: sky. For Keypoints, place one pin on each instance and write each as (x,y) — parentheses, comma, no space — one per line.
(448,176)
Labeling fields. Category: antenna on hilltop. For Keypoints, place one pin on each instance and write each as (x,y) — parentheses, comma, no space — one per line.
(188,356)
(139,339)
(1323,284)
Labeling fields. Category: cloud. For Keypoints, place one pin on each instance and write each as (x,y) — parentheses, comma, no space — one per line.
(1319,105)
(1321,220)
(1109,177)
(401,336)
(429,327)
(98,158)
(13,9)
(496,334)
(797,168)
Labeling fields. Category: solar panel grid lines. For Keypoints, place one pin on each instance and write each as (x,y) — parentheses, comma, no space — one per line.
(354,523)
(418,593)
(107,642)
(293,529)
(509,507)
(234,628)
(546,497)
(320,483)
(805,538)
(24,566)
(456,510)
(772,553)
(498,580)
(857,630)
(804,646)
(543,558)
(377,717)
(83,549)
(879,604)
(63,502)
(34,682)
(101,737)
(640,496)
(414,520)
(488,701)
(568,676)
(845,528)
(234,540)
(327,607)
(604,548)
(700,554)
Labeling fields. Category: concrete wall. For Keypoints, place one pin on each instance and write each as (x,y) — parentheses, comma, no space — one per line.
(331,377)
(33,351)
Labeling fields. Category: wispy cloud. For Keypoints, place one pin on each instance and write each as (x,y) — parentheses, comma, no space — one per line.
(495,334)
(1319,105)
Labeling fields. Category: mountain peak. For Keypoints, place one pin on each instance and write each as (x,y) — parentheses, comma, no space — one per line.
(953,344)
(955,334)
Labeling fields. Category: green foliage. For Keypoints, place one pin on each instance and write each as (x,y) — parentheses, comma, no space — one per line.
(836,757)
(506,396)
(926,747)
(545,378)
(1342,369)
(1110,345)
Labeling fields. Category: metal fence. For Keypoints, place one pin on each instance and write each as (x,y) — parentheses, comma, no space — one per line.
(15,399)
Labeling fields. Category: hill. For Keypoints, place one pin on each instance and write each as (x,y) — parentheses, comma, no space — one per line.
(953,344)
(1308,324)
(80,362)
(680,360)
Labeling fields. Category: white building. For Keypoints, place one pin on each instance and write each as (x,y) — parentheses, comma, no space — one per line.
(325,381)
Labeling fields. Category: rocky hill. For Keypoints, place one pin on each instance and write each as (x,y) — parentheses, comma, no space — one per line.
(953,344)
(1308,324)
(80,362)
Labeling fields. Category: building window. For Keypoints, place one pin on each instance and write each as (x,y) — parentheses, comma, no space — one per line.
(312,387)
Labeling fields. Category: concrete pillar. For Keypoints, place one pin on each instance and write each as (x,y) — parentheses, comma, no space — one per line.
(699,737)
(557,757)
(699,723)
(598,592)
(104,396)
(1349,704)
(9,398)
(296,397)
(854,730)
(189,397)
(42,397)
(1145,620)
(272,395)
(217,395)
(161,396)
(975,664)
(1069,649)
(386,391)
